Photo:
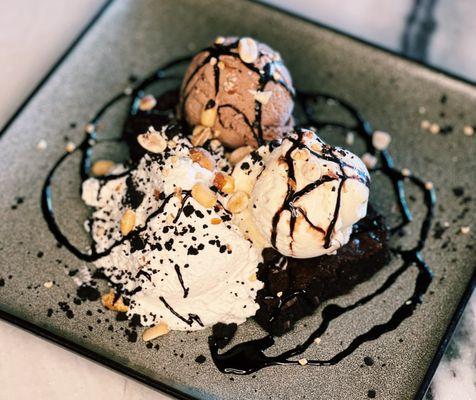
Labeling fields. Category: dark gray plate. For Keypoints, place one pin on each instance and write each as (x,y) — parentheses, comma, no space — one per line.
(136,37)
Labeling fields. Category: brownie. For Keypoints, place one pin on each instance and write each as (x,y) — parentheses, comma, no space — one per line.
(139,121)
(294,288)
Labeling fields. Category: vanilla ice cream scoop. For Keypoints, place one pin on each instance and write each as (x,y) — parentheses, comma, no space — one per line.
(307,195)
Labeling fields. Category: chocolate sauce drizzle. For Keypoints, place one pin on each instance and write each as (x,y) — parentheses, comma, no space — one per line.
(191,317)
(248,357)
(328,154)
(180,278)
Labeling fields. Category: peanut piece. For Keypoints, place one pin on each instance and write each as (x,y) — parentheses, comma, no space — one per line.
(128,222)
(107,301)
(200,135)
(203,158)
(204,195)
(248,50)
(154,332)
(152,142)
(237,202)
(238,154)
(224,182)
(209,116)
(261,97)
(102,167)
(147,103)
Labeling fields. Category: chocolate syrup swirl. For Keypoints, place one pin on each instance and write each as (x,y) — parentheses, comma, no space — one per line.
(248,357)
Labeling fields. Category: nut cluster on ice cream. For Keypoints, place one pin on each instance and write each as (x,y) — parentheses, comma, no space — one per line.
(305,195)
(239,91)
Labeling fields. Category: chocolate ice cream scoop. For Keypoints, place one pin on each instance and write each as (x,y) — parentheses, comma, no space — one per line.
(239,91)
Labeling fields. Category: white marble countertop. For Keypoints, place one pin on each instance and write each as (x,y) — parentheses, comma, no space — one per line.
(30,367)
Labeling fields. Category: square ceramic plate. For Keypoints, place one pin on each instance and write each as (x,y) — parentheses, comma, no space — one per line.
(134,37)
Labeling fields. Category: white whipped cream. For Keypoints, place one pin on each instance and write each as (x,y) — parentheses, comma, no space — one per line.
(184,271)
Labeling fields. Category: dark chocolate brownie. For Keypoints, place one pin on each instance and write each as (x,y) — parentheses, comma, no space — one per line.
(139,121)
(294,288)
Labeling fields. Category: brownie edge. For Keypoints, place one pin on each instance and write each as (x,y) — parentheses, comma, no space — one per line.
(294,288)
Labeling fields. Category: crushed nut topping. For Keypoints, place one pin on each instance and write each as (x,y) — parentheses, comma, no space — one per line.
(237,202)
(154,332)
(152,141)
(203,158)
(238,154)
(381,140)
(128,222)
(70,147)
(102,167)
(208,116)
(261,97)
(224,182)
(369,160)
(112,302)
(204,195)
(248,50)
(200,135)
(147,103)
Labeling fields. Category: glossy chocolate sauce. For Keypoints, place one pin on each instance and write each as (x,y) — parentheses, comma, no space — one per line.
(250,356)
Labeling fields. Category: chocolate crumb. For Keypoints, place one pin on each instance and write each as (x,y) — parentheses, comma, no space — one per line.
(121,316)
(200,359)
(458,191)
(368,361)
(87,292)
(131,335)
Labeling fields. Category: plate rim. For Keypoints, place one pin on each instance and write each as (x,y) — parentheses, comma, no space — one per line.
(156,384)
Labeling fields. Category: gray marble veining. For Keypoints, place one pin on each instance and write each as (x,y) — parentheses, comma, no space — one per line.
(437,32)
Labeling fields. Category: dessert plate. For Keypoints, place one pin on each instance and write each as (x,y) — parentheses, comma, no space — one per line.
(395,95)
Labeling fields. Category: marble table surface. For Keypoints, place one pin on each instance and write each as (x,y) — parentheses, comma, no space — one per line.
(434,31)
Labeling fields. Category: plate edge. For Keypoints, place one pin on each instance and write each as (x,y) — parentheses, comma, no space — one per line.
(450,329)
(94,356)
